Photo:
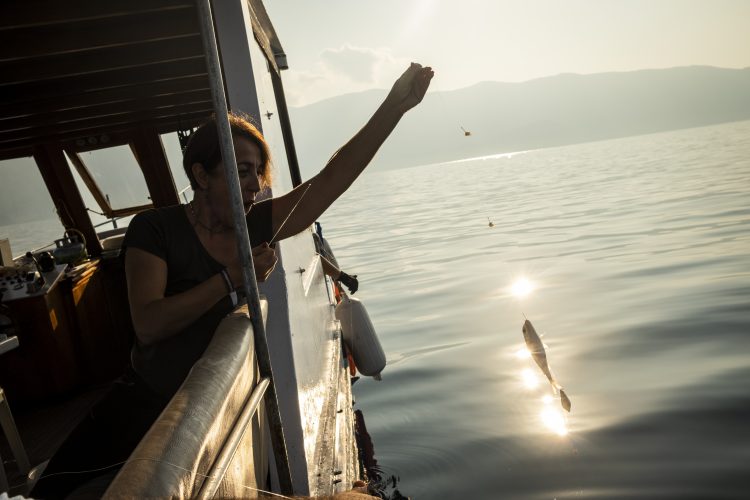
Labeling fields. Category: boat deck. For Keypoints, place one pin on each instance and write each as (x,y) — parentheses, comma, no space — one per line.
(43,429)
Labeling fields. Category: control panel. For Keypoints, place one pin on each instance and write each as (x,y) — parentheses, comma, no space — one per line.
(17,282)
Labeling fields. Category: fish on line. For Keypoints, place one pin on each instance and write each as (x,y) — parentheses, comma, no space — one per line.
(536,349)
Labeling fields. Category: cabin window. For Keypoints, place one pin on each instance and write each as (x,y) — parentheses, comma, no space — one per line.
(98,212)
(117,176)
(27,215)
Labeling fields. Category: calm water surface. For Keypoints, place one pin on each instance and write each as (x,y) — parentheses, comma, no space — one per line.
(639,253)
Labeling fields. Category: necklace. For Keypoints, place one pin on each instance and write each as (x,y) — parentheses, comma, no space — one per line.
(211,230)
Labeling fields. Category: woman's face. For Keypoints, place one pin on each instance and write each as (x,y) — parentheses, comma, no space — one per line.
(249,166)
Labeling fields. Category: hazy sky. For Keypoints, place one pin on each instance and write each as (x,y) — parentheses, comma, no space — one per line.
(341,46)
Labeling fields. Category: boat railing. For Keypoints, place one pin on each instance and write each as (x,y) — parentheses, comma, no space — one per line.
(210,440)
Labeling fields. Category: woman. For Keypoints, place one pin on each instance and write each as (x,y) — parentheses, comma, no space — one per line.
(181,265)
(181,262)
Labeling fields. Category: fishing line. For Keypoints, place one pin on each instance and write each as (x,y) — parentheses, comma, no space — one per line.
(83,471)
(446,112)
(160,462)
(273,239)
(206,476)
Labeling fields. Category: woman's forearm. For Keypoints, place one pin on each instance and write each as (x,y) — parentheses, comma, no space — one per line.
(350,160)
(339,173)
(299,208)
(163,318)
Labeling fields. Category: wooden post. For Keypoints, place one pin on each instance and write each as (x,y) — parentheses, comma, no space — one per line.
(61,185)
(149,152)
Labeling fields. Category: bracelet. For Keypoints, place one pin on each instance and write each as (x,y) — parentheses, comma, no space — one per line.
(227,280)
(230,288)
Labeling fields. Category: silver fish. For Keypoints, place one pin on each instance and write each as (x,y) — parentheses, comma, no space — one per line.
(536,348)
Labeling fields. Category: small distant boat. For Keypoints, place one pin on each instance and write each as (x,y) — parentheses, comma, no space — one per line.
(491,224)
(466,132)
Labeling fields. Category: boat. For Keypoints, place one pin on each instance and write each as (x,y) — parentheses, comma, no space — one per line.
(269,406)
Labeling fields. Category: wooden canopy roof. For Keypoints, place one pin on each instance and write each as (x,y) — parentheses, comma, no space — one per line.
(85,72)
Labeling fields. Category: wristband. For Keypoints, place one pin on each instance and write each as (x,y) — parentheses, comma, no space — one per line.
(230,288)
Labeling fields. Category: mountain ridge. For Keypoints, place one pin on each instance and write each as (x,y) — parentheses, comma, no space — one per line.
(503,117)
(544,112)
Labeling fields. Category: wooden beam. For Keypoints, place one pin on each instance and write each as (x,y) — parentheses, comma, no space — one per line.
(91,139)
(46,12)
(88,34)
(149,151)
(11,110)
(84,84)
(19,152)
(100,125)
(65,195)
(61,119)
(124,138)
(100,59)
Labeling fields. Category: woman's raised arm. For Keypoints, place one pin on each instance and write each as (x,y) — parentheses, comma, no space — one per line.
(349,161)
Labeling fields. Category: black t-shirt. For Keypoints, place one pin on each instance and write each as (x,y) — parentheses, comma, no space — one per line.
(168,234)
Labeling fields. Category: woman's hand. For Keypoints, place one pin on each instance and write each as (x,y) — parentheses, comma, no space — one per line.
(264,260)
(299,208)
(410,88)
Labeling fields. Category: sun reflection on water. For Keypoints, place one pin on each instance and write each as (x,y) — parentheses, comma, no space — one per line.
(554,420)
(530,380)
(550,414)
(522,287)
(523,353)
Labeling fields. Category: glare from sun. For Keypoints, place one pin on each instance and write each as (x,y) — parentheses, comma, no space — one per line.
(523,353)
(522,287)
(554,421)
(530,380)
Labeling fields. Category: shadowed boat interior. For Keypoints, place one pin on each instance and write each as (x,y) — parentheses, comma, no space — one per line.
(85,75)
(185,446)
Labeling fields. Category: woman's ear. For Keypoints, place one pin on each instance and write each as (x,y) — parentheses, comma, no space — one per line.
(200,175)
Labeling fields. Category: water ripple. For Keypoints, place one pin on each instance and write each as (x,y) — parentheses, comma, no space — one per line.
(639,249)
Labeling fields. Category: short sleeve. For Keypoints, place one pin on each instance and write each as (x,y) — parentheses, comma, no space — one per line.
(146,231)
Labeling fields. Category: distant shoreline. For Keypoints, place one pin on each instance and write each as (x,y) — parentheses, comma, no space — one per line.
(527,151)
(554,111)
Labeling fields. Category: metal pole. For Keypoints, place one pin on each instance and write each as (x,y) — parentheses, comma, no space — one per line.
(243,242)
(220,466)
(286,129)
